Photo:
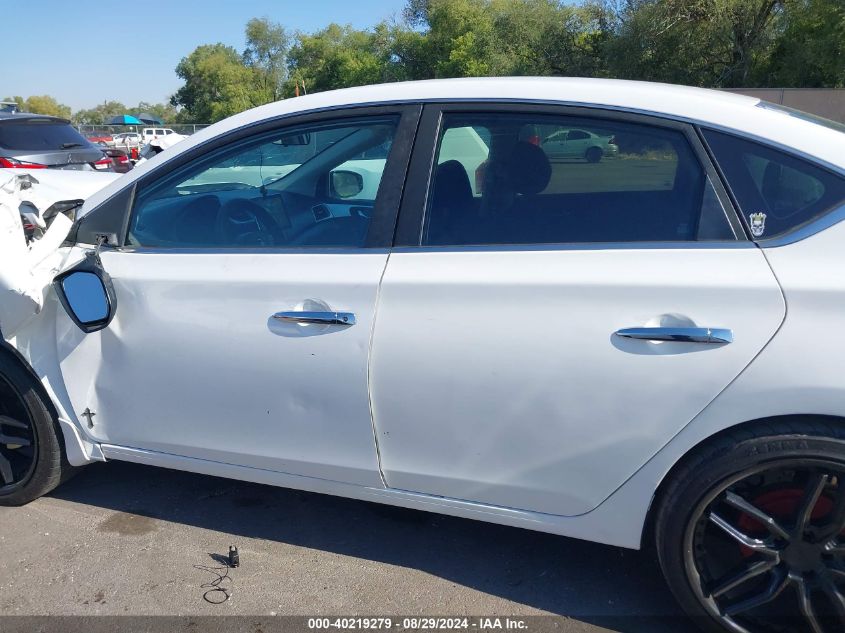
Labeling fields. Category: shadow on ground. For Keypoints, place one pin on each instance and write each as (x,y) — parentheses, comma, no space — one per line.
(607,586)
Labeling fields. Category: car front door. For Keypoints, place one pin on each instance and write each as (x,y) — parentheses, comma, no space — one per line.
(246,290)
(539,341)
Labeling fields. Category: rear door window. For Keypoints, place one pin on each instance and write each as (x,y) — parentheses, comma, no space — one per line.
(536,179)
(776,192)
(35,135)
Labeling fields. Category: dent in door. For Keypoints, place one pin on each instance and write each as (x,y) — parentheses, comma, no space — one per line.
(497,376)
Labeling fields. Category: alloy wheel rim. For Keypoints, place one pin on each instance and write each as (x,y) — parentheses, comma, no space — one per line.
(767,545)
(18,439)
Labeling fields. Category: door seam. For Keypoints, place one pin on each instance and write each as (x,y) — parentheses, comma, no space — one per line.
(370,372)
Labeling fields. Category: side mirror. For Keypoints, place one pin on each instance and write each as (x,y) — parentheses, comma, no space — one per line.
(345,184)
(87,294)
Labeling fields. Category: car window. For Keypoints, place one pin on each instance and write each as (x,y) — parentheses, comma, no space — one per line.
(40,134)
(776,192)
(524,182)
(298,187)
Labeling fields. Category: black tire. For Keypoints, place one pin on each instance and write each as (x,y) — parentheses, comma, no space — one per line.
(698,490)
(594,154)
(23,402)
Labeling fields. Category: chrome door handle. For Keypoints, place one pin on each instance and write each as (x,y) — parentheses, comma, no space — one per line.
(679,334)
(323,318)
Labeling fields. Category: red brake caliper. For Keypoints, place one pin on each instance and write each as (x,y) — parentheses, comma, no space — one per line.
(781,505)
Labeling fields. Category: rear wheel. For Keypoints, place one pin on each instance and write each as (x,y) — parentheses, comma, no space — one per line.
(594,154)
(32,460)
(750,530)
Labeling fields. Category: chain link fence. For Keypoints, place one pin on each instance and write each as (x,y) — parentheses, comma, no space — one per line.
(180,128)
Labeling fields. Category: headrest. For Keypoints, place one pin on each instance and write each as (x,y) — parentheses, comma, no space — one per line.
(529,168)
(451,181)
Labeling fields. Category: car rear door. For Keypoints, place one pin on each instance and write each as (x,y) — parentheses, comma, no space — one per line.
(246,300)
(539,340)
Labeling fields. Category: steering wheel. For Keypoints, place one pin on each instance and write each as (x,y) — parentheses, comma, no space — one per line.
(343,231)
(242,222)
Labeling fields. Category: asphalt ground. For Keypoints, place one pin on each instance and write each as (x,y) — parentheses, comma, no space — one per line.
(122,540)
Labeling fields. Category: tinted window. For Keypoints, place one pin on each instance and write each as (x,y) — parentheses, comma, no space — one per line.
(35,135)
(533,179)
(306,186)
(775,191)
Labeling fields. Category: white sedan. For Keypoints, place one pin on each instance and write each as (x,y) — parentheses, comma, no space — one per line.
(579,144)
(639,352)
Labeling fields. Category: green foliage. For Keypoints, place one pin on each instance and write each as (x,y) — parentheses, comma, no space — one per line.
(266,52)
(336,57)
(810,49)
(41,104)
(714,43)
(164,111)
(512,37)
(100,114)
(217,84)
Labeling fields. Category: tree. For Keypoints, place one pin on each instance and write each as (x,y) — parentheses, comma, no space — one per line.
(511,37)
(406,52)
(336,57)
(41,104)
(715,43)
(164,111)
(712,43)
(101,114)
(266,52)
(217,84)
(810,49)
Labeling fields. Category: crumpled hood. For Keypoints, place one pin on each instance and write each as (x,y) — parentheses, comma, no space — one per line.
(26,270)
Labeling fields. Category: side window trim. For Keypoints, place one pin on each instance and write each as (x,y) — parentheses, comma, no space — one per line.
(722,192)
(114,215)
(411,220)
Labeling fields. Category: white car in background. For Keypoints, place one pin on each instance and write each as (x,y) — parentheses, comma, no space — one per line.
(152,133)
(576,143)
(640,352)
(127,140)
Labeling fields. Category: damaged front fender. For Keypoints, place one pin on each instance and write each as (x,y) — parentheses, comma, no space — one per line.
(27,269)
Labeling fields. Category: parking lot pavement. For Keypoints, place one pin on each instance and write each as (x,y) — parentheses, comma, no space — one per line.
(123,539)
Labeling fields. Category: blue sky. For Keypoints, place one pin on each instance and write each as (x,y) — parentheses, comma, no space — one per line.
(84,52)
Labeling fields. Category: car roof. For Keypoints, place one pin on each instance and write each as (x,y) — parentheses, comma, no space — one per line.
(720,110)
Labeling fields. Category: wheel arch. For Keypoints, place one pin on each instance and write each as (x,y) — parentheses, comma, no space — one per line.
(791,423)
(77,451)
(14,356)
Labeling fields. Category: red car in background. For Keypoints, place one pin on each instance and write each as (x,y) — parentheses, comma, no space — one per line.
(101,138)
(119,161)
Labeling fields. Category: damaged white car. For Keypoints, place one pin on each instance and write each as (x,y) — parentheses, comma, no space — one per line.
(29,255)
(394,293)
